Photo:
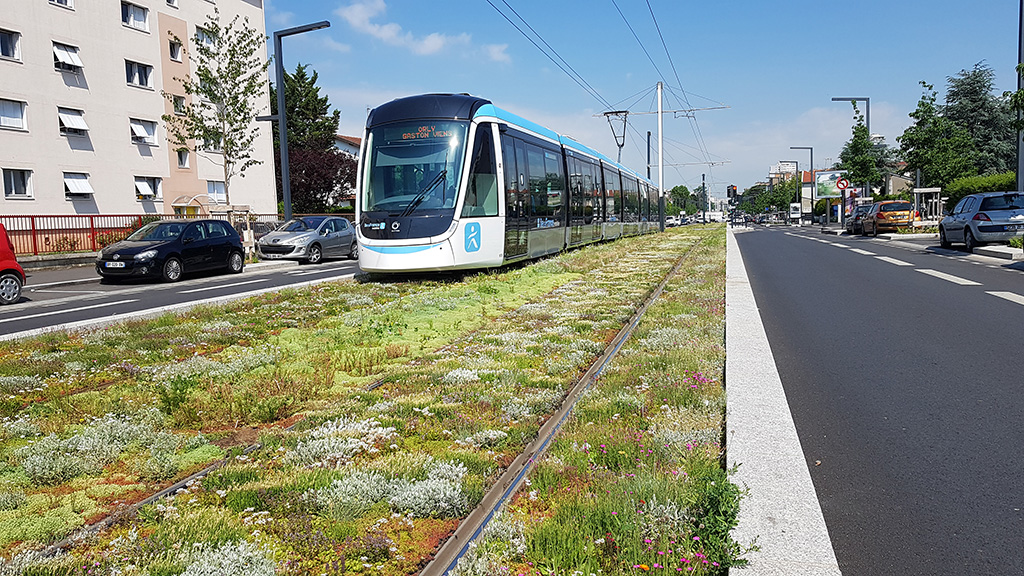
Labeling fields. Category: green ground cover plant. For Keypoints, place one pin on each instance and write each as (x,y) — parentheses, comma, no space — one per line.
(634,483)
(370,477)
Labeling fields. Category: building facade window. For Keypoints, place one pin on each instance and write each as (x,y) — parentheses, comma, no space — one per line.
(215,190)
(66,58)
(147,188)
(10,45)
(172,3)
(203,36)
(134,16)
(12,114)
(143,131)
(64,3)
(179,105)
(138,74)
(183,158)
(17,183)
(72,122)
(213,145)
(175,50)
(76,184)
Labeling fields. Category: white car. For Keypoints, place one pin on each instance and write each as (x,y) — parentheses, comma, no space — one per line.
(310,239)
(981,218)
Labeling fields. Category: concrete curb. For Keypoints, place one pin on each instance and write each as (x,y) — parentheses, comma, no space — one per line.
(781,514)
(1004,252)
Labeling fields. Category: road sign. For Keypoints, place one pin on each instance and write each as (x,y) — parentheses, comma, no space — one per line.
(842,183)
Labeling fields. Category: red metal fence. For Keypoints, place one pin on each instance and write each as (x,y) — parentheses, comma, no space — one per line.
(34,235)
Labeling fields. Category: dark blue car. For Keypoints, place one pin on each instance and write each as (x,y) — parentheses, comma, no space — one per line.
(170,248)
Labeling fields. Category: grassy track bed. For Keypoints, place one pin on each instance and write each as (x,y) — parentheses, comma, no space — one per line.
(634,481)
(365,481)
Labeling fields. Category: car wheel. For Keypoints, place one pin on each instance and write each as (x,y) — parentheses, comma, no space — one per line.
(316,254)
(10,288)
(235,263)
(943,241)
(354,251)
(172,270)
(969,240)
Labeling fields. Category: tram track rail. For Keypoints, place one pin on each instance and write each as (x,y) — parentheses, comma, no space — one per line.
(508,483)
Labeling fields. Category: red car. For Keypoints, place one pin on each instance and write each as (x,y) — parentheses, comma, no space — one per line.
(12,277)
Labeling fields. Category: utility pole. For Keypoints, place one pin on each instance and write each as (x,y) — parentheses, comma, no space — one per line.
(660,157)
(704,204)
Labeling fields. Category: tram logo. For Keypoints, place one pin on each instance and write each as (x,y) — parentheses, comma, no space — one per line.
(472,237)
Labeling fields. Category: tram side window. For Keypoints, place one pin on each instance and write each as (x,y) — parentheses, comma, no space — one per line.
(482,192)
(508,153)
(612,195)
(577,191)
(554,180)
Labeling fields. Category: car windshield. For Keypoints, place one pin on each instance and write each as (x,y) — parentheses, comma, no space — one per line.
(414,167)
(301,224)
(1003,202)
(158,231)
(895,207)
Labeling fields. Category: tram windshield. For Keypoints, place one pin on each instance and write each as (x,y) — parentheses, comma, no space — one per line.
(414,167)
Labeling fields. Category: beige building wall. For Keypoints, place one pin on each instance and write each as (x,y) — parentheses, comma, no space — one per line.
(108,103)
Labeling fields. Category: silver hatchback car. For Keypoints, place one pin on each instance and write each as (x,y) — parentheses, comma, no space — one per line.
(310,239)
(984,217)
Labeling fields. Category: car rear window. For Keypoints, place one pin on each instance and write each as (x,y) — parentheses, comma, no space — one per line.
(895,207)
(1004,202)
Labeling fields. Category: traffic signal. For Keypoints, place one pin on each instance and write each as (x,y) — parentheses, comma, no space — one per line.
(731,191)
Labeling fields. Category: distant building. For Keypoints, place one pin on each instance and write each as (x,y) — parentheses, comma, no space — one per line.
(349,144)
(81,103)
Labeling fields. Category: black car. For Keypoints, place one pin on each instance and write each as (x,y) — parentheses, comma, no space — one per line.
(855,221)
(170,248)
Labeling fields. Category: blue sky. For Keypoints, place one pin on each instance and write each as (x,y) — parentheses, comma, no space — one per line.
(776,65)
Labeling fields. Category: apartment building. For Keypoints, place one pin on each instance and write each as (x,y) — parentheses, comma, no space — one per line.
(81,100)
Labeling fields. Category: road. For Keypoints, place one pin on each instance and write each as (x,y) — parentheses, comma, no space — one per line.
(901,364)
(45,305)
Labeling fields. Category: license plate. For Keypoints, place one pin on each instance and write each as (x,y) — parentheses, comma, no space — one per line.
(114,264)
(1015,227)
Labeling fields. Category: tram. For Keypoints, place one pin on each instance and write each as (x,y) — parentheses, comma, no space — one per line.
(452,182)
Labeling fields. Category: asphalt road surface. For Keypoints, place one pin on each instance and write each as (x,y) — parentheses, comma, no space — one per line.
(903,368)
(43,307)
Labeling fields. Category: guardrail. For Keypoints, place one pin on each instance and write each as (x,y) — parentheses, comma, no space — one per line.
(35,235)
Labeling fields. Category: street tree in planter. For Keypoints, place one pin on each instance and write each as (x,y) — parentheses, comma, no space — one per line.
(219,119)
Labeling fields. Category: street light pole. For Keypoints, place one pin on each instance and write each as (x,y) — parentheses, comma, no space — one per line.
(282,116)
(814,181)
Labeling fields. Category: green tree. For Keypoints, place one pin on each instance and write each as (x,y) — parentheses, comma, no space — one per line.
(219,121)
(936,145)
(311,123)
(319,172)
(987,117)
(860,157)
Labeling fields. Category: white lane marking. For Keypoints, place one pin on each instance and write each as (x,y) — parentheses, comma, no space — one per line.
(70,291)
(840,245)
(949,277)
(222,286)
(859,251)
(40,315)
(893,261)
(1012,297)
(320,271)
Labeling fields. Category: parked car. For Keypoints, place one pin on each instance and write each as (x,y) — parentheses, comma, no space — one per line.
(310,239)
(984,217)
(12,276)
(671,221)
(855,221)
(169,249)
(887,215)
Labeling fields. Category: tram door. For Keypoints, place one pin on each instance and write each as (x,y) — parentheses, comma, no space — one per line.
(517,197)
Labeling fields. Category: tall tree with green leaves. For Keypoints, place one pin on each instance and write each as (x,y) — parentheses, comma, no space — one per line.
(986,116)
(219,121)
(312,124)
(860,156)
(319,172)
(934,144)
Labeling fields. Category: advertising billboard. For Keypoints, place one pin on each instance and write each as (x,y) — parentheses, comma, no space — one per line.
(828,184)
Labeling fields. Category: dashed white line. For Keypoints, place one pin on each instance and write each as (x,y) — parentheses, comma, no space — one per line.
(222,286)
(1012,297)
(40,315)
(859,251)
(949,277)
(839,245)
(893,261)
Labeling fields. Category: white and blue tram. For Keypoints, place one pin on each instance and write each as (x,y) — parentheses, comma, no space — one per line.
(431,175)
